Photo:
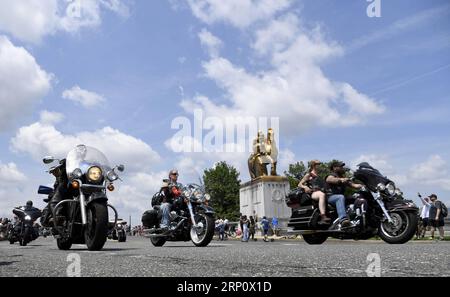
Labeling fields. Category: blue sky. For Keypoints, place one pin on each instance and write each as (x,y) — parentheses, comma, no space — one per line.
(344,86)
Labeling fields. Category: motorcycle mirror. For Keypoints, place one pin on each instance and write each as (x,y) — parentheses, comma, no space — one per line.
(121,168)
(48,160)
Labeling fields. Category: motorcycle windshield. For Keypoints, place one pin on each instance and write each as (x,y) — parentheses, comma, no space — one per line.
(84,157)
(370,176)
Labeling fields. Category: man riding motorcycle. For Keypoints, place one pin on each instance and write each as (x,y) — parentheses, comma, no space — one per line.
(61,192)
(337,183)
(171,190)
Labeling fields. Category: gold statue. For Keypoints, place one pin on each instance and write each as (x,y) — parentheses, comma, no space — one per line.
(264,152)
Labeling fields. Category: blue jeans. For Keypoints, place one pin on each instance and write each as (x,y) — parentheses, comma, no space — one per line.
(246,233)
(165,220)
(339,201)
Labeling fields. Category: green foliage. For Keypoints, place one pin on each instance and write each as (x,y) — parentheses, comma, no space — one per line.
(222,183)
(295,173)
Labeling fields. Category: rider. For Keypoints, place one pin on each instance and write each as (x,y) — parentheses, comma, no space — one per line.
(312,184)
(171,189)
(60,191)
(337,184)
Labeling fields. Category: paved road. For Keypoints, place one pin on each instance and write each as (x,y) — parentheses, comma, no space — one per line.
(137,257)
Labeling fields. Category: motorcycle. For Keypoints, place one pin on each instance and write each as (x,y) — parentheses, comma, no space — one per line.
(117,231)
(4,228)
(190,219)
(85,214)
(379,208)
(23,230)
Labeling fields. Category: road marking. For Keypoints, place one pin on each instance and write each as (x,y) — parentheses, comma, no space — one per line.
(221,244)
(290,244)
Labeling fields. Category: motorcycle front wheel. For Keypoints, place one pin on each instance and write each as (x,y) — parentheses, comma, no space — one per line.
(96,230)
(204,232)
(158,241)
(64,244)
(402,228)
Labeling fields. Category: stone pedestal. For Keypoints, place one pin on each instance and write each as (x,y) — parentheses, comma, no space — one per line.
(265,196)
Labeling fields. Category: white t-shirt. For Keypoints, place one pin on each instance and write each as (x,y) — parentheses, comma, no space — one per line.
(425,213)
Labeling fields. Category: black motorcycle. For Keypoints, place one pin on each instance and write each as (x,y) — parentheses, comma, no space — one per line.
(190,219)
(377,209)
(85,212)
(117,231)
(23,230)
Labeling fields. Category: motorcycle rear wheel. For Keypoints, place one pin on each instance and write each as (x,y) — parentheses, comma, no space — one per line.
(317,238)
(96,231)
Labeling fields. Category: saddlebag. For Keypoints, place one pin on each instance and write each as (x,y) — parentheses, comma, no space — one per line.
(297,198)
(303,217)
(150,218)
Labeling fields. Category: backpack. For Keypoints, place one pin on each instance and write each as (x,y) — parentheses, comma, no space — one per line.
(444,210)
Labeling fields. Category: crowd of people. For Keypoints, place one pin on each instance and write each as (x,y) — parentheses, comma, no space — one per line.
(247,228)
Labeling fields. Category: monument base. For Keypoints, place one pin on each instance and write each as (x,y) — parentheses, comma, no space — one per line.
(265,196)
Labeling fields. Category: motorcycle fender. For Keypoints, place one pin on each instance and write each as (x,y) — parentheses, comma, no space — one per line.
(403,206)
(97,197)
(206,209)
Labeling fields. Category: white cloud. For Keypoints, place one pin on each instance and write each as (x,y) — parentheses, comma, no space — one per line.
(49,117)
(85,98)
(433,172)
(31,20)
(10,175)
(239,13)
(292,87)
(210,42)
(42,138)
(22,82)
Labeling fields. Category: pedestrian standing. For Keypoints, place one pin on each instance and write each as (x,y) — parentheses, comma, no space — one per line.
(221,229)
(245,224)
(436,217)
(275,225)
(265,226)
(252,227)
(424,215)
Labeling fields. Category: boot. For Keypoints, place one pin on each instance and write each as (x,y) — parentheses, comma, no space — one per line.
(324,219)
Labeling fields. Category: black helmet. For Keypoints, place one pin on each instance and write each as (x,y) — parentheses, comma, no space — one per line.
(29,203)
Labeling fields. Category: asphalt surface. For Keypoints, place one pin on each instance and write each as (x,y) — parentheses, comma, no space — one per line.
(137,257)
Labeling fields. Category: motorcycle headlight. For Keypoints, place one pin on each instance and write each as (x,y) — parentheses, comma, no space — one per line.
(390,187)
(77,173)
(28,218)
(94,174)
(187,193)
(112,176)
(198,196)
(119,226)
(381,187)
(207,197)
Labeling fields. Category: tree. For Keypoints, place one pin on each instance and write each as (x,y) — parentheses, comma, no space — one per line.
(222,183)
(295,173)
